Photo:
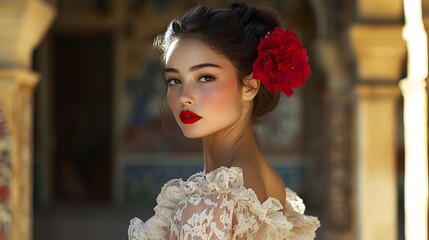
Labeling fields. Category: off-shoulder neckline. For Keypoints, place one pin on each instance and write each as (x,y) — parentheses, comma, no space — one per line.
(236,178)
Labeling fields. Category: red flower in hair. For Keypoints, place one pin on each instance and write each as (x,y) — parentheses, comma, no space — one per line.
(282,62)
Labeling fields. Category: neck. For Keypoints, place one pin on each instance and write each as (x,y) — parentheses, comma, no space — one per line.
(228,147)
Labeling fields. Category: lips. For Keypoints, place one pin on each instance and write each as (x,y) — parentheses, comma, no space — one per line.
(189,117)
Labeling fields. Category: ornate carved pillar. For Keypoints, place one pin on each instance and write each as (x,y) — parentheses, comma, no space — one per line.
(22,24)
(380,52)
(339,221)
(332,20)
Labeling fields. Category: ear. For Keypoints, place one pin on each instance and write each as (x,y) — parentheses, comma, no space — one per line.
(250,88)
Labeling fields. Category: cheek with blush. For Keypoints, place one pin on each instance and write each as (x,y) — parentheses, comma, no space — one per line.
(223,99)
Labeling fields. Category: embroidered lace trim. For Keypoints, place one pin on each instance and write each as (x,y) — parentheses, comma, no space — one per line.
(217,206)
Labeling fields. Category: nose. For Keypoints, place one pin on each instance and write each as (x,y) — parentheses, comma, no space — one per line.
(187,95)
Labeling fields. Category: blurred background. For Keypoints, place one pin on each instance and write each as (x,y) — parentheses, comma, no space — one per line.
(98,154)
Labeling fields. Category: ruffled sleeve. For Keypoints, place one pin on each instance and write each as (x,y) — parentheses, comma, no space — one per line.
(304,227)
(218,206)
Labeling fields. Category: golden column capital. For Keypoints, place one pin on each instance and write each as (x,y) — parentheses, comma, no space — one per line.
(386,10)
(23,23)
(379,50)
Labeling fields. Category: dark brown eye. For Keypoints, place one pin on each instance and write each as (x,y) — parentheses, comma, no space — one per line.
(206,78)
(172,82)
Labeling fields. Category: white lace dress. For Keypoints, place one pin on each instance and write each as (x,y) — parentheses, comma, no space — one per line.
(217,206)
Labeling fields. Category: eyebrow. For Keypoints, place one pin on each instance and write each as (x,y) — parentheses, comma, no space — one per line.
(193,68)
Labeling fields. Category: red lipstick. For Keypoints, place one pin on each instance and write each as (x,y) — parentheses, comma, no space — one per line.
(189,117)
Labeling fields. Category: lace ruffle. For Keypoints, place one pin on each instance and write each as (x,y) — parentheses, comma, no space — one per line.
(255,219)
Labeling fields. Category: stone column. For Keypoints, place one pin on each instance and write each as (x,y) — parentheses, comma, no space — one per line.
(339,215)
(23,23)
(380,52)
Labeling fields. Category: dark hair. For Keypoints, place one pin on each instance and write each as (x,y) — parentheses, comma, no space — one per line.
(234,32)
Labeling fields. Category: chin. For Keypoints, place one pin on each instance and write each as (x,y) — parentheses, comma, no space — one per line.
(191,135)
(193,132)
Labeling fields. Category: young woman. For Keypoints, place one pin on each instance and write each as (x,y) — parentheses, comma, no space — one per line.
(225,69)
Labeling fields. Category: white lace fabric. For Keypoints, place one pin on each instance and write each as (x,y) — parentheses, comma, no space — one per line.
(217,206)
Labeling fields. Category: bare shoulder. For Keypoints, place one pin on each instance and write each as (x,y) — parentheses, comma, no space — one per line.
(253,179)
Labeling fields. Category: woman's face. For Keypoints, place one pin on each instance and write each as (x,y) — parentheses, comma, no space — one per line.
(203,91)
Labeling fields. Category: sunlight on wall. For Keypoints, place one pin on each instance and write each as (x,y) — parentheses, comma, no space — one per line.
(415,120)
